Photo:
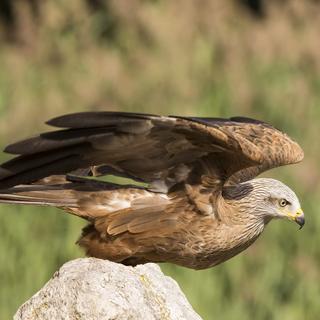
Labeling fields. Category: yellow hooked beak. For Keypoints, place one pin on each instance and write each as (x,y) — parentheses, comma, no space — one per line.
(298,217)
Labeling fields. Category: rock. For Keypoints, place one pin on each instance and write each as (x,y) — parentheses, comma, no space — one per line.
(94,289)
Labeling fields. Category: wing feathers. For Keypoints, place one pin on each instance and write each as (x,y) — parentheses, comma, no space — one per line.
(96,119)
(145,213)
(57,139)
(150,148)
(59,166)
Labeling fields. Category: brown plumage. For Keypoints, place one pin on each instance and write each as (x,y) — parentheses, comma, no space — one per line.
(201,205)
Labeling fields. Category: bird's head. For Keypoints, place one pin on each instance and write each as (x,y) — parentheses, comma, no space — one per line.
(276,200)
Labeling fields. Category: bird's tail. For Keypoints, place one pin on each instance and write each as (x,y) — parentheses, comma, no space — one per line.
(34,195)
(82,197)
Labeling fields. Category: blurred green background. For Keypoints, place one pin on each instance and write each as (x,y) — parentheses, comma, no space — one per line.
(206,58)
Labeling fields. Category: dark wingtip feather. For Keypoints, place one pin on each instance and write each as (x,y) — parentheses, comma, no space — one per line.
(94,119)
(10,149)
(20,147)
(15,176)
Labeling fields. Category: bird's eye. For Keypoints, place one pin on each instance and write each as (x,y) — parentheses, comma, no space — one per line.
(283,202)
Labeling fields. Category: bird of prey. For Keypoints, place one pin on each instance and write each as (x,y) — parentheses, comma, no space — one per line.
(201,203)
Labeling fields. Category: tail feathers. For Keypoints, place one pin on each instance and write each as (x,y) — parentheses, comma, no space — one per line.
(39,195)
(85,198)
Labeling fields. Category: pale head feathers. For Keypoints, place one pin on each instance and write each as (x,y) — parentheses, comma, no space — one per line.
(272,198)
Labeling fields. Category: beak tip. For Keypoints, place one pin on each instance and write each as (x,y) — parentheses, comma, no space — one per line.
(300,221)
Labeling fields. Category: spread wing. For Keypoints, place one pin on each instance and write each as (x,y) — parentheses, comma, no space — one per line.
(159,150)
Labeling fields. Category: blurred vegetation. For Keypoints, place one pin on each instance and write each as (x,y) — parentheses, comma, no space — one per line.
(208,58)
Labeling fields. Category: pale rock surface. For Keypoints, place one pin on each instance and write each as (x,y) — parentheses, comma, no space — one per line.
(94,289)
